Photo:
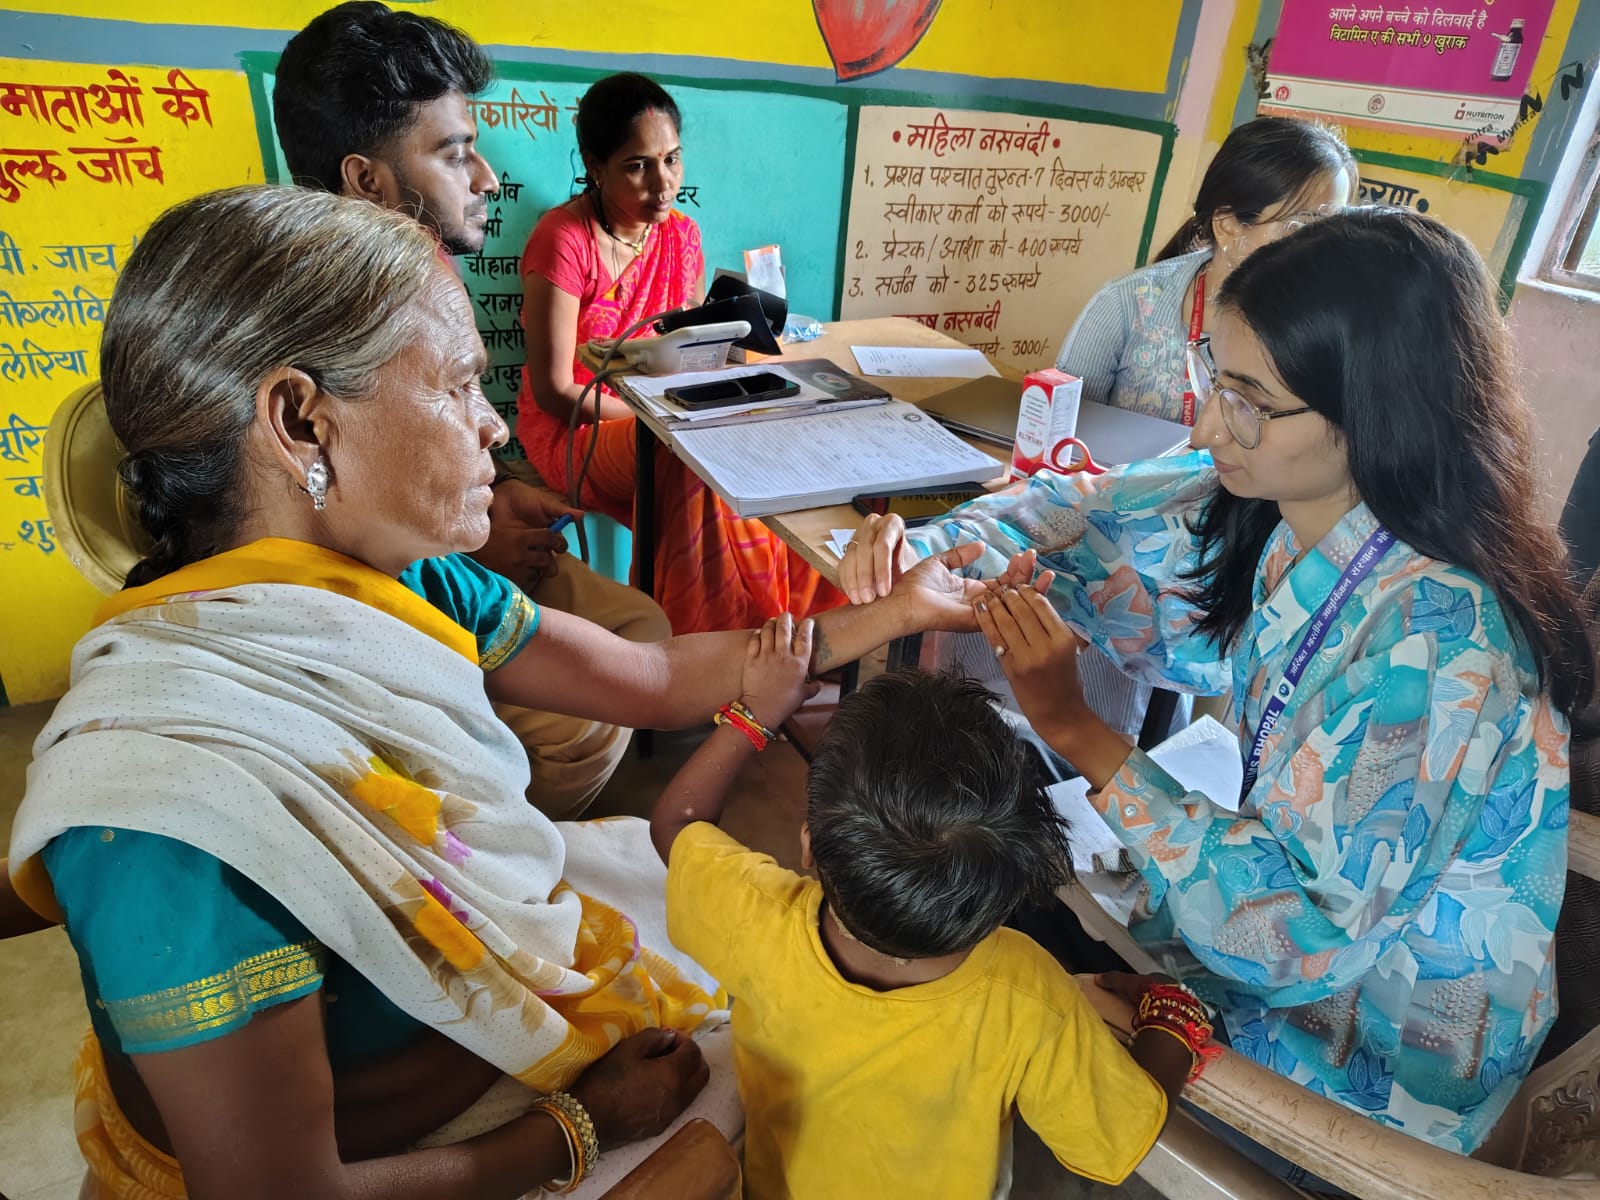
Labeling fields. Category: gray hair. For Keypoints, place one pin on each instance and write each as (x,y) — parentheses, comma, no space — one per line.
(221,292)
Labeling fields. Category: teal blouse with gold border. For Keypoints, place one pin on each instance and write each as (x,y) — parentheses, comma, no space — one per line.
(176,947)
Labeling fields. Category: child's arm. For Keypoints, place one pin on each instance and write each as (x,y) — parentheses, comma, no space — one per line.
(1163,1057)
(775,671)
(1165,1060)
(16,918)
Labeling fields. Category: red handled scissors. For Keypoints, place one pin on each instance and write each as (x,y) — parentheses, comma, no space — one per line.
(1081,461)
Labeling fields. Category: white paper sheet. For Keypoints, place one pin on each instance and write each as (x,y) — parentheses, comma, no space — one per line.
(763,269)
(828,457)
(838,539)
(912,362)
(1204,758)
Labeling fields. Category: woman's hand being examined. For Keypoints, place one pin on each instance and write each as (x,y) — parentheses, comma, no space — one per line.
(639,1088)
(776,670)
(879,561)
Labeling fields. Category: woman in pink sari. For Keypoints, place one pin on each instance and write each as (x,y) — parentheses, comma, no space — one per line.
(593,266)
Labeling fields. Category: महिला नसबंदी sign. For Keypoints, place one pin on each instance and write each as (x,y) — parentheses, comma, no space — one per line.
(993,228)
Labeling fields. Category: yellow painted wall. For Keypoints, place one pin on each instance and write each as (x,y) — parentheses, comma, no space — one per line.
(1089,42)
(51,301)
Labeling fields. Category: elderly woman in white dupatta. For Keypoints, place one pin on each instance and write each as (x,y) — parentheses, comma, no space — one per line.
(315,916)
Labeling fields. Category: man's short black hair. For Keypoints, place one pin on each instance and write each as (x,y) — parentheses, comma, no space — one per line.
(928,821)
(351,81)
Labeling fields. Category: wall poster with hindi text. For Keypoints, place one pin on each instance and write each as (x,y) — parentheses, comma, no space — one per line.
(89,156)
(1452,68)
(1487,217)
(995,229)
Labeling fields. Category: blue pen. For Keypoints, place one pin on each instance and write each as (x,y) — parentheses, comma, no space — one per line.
(560,522)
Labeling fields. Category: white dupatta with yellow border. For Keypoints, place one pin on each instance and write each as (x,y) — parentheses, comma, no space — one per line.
(325,732)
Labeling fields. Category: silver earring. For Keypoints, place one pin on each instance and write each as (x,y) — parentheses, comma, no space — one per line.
(317,483)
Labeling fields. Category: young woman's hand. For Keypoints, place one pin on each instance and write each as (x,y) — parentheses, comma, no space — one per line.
(777,668)
(875,559)
(1037,652)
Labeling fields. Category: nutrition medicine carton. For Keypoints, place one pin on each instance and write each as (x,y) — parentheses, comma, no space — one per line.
(1049,413)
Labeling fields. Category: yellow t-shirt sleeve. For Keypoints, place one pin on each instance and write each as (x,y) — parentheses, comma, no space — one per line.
(1082,1093)
(717,887)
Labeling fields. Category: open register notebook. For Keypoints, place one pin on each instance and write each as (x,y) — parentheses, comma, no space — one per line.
(829,457)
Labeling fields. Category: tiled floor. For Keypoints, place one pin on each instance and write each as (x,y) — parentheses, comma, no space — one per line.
(42,1015)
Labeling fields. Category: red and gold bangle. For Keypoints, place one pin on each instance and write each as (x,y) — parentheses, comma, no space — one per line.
(742,719)
(1177,1012)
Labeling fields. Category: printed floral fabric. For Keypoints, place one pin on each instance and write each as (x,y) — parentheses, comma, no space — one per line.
(1376,920)
(1128,343)
(330,740)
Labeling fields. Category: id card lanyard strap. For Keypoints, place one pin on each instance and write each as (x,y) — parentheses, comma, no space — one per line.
(1197,320)
(1358,569)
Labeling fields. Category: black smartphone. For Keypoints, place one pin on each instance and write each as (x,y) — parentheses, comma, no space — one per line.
(919,506)
(741,389)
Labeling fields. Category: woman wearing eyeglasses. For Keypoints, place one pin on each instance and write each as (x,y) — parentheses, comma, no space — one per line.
(1269,177)
(1355,545)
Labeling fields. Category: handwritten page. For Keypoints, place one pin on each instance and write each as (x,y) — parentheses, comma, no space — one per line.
(827,458)
(996,229)
(911,362)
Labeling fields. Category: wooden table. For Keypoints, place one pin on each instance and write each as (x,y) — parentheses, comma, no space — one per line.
(806,530)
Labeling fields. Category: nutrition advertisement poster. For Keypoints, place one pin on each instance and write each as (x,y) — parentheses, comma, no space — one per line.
(1453,68)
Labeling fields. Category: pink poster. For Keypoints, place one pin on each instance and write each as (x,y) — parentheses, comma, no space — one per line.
(1453,67)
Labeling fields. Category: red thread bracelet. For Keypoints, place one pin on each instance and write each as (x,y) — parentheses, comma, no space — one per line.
(728,714)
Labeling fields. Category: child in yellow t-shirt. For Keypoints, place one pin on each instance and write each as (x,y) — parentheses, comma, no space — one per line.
(886,1027)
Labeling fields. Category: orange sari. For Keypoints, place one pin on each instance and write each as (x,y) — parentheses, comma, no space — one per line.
(713,569)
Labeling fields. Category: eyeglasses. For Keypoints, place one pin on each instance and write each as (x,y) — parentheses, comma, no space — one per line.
(1242,418)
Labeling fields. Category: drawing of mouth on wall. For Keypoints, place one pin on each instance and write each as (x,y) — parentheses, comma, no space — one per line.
(866,36)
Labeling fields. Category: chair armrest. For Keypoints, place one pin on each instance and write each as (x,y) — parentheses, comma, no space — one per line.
(1583,844)
(1343,1147)
(696,1163)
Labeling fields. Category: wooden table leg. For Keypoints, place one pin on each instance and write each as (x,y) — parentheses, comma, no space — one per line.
(905,652)
(1158,714)
(644,539)
(644,509)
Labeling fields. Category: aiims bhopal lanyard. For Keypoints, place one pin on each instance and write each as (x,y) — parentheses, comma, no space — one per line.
(1197,320)
(1359,568)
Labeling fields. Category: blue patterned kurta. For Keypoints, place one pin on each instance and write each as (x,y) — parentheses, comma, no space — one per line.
(1376,921)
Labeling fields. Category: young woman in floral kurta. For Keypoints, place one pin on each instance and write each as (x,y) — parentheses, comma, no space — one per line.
(1375,920)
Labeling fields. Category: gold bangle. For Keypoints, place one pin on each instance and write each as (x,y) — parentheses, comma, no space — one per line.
(575,1119)
(557,1185)
(1194,1057)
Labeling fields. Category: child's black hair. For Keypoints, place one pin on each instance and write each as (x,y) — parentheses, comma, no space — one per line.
(927,818)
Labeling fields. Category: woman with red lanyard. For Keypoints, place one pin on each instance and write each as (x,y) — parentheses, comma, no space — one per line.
(1271,176)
